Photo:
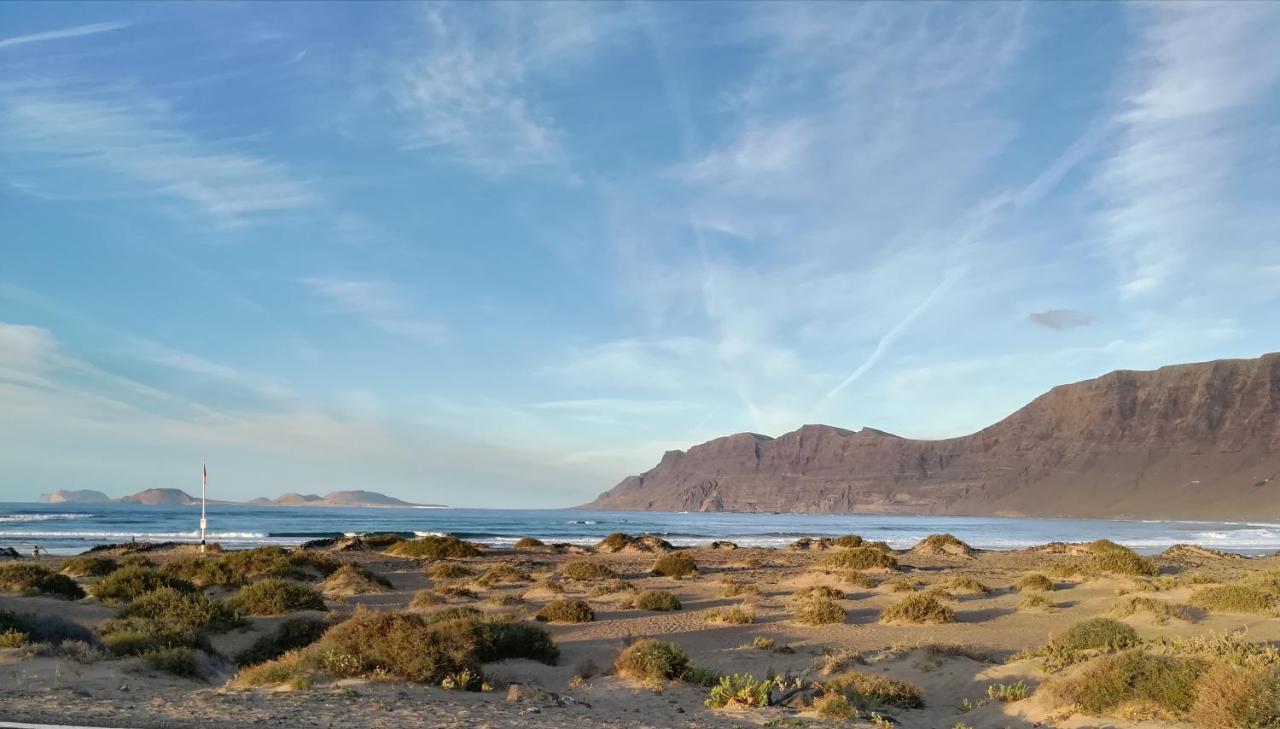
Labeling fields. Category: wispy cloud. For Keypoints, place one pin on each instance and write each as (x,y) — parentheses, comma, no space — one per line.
(77,31)
(119,142)
(381,304)
(1060,319)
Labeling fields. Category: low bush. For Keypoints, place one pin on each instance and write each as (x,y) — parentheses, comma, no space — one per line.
(1036,601)
(566,611)
(1098,634)
(824,592)
(817,610)
(512,639)
(968,585)
(425,599)
(873,691)
(583,571)
(657,601)
(180,662)
(529,543)
(1110,682)
(457,612)
(858,559)
(274,596)
(612,587)
(733,588)
(1008,693)
(615,542)
(739,690)
(1111,557)
(1234,599)
(1231,697)
(503,573)
(729,615)
(652,661)
(242,567)
(835,707)
(943,545)
(1035,582)
(33,579)
(289,635)
(350,580)
(905,584)
(1161,611)
(448,571)
(128,583)
(848,541)
(921,607)
(435,547)
(675,564)
(166,618)
(88,566)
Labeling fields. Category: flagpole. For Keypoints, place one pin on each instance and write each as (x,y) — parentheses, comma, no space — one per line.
(204,487)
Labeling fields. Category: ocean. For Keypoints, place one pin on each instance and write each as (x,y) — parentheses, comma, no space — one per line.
(70,529)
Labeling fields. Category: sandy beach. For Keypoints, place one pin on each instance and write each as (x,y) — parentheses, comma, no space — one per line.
(952,663)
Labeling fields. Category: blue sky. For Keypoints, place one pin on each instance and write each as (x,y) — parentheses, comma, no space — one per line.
(505,255)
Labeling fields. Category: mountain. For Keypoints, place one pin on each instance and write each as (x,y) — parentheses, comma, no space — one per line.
(1193,441)
(81,496)
(159,497)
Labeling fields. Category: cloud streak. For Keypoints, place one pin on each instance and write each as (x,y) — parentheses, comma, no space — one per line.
(77,31)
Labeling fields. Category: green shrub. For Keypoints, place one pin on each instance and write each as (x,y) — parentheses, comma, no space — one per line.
(676,564)
(739,690)
(583,570)
(848,540)
(519,640)
(905,584)
(294,669)
(457,612)
(835,707)
(941,545)
(1112,681)
(615,542)
(730,615)
(425,599)
(166,618)
(733,588)
(274,596)
(967,584)
(1161,611)
(1036,601)
(566,611)
(652,661)
(872,691)
(33,579)
(180,662)
(1231,697)
(381,540)
(435,547)
(1008,693)
(921,607)
(1098,634)
(352,579)
(817,610)
(823,592)
(1035,582)
(657,601)
(529,543)
(503,573)
(13,638)
(448,571)
(289,635)
(239,568)
(1111,557)
(857,559)
(128,583)
(1234,599)
(88,566)
(611,587)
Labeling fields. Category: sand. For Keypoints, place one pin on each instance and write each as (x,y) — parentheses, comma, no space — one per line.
(581,691)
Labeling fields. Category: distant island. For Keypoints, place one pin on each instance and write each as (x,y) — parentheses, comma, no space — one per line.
(178,497)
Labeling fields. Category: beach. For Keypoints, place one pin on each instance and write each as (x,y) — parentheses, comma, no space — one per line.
(953,664)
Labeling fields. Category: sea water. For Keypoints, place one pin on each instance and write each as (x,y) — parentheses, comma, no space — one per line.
(70,529)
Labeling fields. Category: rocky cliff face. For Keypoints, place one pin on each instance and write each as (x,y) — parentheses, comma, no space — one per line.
(78,496)
(1185,441)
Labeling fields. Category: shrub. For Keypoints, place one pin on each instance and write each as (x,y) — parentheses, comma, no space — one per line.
(292,633)
(1098,633)
(352,579)
(943,545)
(676,564)
(13,638)
(135,560)
(566,611)
(583,570)
(657,601)
(817,610)
(448,571)
(848,540)
(45,628)
(652,661)
(175,661)
(857,559)
(835,706)
(128,583)
(1161,611)
(1036,601)
(906,584)
(1035,582)
(967,584)
(435,547)
(381,540)
(238,568)
(88,566)
(529,543)
(426,598)
(458,612)
(1231,696)
(166,618)
(824,592)
(921,607)
(1111,557)
(503,573)
(1234,599)
(275,596)
(615,542)
(294,669)
(1008,693)
(33,579)
(519,640)
(733,588)
(739,690)
(612,587)
(731,615)
(1110,682)
(872,691)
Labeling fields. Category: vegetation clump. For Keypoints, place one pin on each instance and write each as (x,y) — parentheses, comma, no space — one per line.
(1161,611)
(943,545)
(612,587)
(1111,557)
(503,573)
(652,661)
(816,608)
(88,566)
(657,601)
(34,579)
(677,565)
(872,691)
(618,542)
(1098,634)
(448,571)
(434,547)
(729,615)
(920,607)
(1035,582)
(1234,599)
(166,618)
(1036,601)
(1165,683)
(242,567)
(964,583)
(352,579)
(529,543)
(43,628)
(275,596)
(291,634)
(584,571)
(181,662)
(848,541)
(739,690)
(1236,696)
(858,559)
(566,611)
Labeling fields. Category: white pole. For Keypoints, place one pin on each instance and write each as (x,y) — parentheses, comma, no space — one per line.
(204,487)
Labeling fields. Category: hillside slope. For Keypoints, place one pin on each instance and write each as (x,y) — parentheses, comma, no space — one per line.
(1185,441)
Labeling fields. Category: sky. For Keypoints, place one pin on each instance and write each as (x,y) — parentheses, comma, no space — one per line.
(506,254)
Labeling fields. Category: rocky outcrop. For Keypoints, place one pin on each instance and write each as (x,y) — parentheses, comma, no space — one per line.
(79,496)
(1185,441)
